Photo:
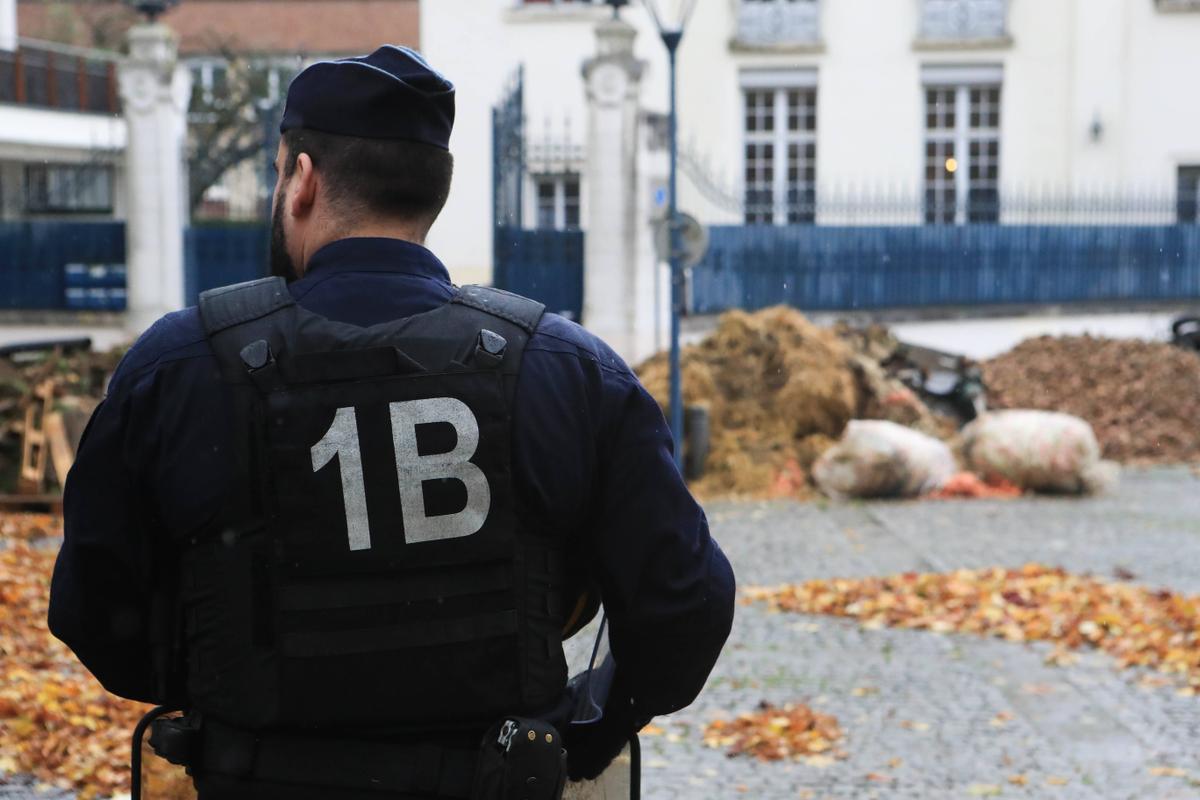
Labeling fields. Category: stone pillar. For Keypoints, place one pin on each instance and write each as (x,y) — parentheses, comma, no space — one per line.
(654,276)
(611,302)
(8,24)
(155,90)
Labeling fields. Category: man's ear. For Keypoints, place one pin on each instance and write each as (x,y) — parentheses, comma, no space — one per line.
(304,193)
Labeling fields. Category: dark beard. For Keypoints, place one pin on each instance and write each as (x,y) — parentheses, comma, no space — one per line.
(282,265)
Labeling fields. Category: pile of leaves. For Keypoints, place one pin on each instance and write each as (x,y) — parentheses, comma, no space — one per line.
(56,722)
(1137,626)
(779,391)
(1141,398)
(773,733)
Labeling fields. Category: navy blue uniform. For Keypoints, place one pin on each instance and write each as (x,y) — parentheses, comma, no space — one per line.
(592,457)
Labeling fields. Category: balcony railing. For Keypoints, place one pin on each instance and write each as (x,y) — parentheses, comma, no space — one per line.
(778,23)
(48,76)
(964,20)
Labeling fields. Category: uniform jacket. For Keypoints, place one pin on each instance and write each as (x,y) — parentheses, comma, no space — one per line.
(592,461)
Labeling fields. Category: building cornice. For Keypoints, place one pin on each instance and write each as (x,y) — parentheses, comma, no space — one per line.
(567,12)
(1177,6)
(943,45)
(790,49)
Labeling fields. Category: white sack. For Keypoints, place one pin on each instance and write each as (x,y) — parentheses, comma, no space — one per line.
(876,458)
(1044,451)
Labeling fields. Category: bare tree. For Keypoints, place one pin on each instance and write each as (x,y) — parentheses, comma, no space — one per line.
(100,24)
(226,127)
(229,126)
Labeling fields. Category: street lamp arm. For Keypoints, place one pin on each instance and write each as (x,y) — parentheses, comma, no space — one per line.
(677,23)
(688,9)
(652,7)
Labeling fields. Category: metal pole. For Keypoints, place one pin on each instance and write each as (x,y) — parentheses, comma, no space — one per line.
(672,39)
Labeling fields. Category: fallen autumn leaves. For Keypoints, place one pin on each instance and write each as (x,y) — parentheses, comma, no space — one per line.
(773,734)
(1137,626)
(56,722)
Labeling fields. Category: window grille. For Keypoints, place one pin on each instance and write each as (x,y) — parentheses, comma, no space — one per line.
(964,20)
(766,23)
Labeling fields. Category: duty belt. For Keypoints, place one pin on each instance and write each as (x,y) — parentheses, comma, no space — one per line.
(373,765)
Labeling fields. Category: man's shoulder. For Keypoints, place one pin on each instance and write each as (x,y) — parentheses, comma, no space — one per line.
(557,337)
(174,337)
(180,335)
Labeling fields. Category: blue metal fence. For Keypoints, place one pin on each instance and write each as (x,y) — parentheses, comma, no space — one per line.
(811,267)
(34,257)
(218,255)
(545,265)
(845,268)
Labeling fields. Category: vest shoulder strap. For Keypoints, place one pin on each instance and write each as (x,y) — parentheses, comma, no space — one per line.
(230,306)
(520,311)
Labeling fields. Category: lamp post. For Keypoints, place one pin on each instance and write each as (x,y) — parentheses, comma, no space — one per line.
(671,27)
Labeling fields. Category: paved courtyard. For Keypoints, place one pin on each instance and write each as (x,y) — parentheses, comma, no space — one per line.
(941,716)
(944,716)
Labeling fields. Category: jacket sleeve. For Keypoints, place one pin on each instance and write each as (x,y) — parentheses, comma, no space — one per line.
(668,589)
(99,595)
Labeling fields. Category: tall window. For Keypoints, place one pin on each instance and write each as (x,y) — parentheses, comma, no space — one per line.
(209,81)
(1187,198)
(780,155)
(962,152)
(557,201)
(266,79)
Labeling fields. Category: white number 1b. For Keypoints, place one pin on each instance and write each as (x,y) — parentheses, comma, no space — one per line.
(412,470)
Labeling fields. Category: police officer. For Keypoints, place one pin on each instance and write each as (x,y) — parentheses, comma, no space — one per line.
(346,519)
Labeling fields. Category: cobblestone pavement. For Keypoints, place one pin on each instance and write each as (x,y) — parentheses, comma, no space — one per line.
(918,708)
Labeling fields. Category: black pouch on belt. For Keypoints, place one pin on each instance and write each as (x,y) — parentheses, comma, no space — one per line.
(520,759)
(177,739)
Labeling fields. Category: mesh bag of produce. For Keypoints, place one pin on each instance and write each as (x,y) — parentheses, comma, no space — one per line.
(1043,451)
(876,458)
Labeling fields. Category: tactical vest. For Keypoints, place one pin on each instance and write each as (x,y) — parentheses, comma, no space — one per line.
(369,570)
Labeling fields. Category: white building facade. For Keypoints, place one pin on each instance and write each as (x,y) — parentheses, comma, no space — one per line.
(791,111)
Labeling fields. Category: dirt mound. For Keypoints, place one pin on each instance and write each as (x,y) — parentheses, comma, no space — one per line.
(779,390)
(1141,398)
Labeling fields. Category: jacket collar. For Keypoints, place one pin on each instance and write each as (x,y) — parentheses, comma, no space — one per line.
(374,254)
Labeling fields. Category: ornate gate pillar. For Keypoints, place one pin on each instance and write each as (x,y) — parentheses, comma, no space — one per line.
(614,309)
(155,91)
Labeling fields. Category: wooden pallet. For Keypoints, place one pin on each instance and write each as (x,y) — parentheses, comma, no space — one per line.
(34,449)
(35,503)
(44,442)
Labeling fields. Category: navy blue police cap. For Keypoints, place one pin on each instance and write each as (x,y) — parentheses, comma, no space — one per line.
(391,94)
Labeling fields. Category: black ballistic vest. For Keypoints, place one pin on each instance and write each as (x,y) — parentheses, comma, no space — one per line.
(369,570)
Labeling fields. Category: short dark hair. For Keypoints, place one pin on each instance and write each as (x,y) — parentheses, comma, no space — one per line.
(408,180)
